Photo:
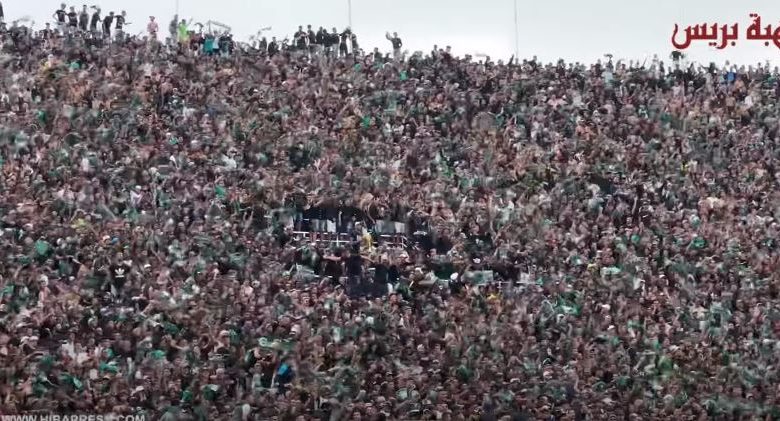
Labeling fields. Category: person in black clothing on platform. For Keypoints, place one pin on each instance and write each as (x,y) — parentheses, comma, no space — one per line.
(93,23)
(321,37)
(334,41)
(107,21)
(121,21)
(263,45)
(355,46)
(300,39)
(273,47)
(344,38)
(84,19)
(327,42)
(312,39)
(73,19)
(381,269)
(226,44)
(60,15)
(353,269)
(47,33)
(348,217)
(332,266)
(2,15)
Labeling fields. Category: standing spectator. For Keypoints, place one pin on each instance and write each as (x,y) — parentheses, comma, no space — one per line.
(60,15)
(152,27)
(312,38)
(47,32)
(320,38)
(73,20)
(328,41)
(121,21)
(84,19)
(333,42)
(395,40)
(300,38)
(263,45)
(107,21)
(273,47)
(93,23)
(183,32)
(344,39)
(355,45)
(2,15)
(173,28)
(353,266)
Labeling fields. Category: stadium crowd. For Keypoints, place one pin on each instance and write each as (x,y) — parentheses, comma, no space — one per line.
(585,241)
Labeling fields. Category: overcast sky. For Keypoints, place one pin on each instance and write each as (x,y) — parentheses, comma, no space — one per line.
(576,30)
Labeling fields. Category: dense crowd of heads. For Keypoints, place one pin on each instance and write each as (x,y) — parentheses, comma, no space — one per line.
(566,241)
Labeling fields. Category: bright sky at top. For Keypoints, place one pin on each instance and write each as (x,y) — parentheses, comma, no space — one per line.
(576,30)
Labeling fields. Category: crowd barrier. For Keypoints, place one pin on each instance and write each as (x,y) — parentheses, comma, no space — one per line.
(344,239)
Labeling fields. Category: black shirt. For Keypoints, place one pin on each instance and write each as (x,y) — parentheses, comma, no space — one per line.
(300,39)
(328,39)
(331,213)
(354,265)
(312,37)
(393,274)
(332,269)
(120,20)
(107,22)
(397,44)
(95,20)
(83,20)
(380,273)
(73,19)
(61,15)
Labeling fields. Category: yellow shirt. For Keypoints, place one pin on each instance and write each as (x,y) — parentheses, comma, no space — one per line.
(367,241)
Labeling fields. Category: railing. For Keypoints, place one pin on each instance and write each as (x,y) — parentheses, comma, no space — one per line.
(390,233)
(343,239)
